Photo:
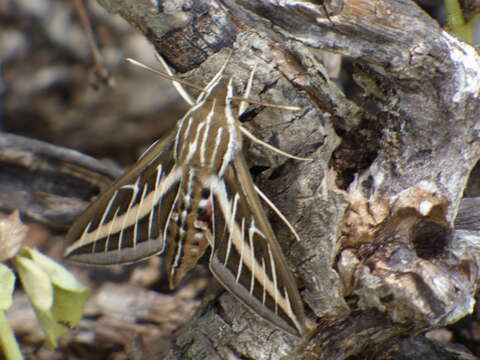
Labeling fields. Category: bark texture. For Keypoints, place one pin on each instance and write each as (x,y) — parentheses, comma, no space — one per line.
(384,253)
(380,256)
(47,183)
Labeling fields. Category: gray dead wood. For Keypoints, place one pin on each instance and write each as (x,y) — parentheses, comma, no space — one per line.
(380,257)
(47,183)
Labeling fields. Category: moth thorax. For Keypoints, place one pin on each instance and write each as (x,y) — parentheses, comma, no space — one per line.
(209,141)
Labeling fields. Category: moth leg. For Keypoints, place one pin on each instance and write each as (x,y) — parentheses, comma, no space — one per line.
(271,147)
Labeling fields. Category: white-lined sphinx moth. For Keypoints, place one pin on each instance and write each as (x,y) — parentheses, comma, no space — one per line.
(189,191)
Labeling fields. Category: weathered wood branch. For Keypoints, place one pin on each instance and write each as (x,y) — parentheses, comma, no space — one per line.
(384,239)
(380,253)
(47,183)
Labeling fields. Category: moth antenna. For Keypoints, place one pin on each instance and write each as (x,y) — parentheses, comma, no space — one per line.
(278,212)
(177,85)
(165,76)
(268,146)
(168,75)
(215,78)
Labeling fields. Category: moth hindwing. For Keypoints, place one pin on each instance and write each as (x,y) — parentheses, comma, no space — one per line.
(190,191)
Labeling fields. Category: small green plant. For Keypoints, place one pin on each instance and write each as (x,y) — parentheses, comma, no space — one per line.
(7,339)
(456,21)
(56,296)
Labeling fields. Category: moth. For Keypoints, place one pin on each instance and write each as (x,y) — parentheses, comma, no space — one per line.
(191,191)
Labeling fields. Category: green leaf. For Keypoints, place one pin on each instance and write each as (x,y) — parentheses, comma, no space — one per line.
(64,295)
(454,13)
(456,21)
(52,329)
(8,343)
(58,274)
(36,283)
(69,306)
(7,283)
(7,340)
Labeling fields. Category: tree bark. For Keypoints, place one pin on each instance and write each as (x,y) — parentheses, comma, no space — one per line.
(379,255)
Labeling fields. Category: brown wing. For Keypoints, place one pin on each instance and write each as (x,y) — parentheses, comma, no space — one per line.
(127,222)
(246,257)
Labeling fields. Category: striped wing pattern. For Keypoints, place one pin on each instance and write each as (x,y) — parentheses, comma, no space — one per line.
(126,223)
(190,191)
(246,257)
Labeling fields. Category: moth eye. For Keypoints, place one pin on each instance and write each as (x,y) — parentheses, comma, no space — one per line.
(205,193)
(202,215)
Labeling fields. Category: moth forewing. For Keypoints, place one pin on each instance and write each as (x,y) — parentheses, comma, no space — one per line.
(125,223)
(187,192)
(246,257)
